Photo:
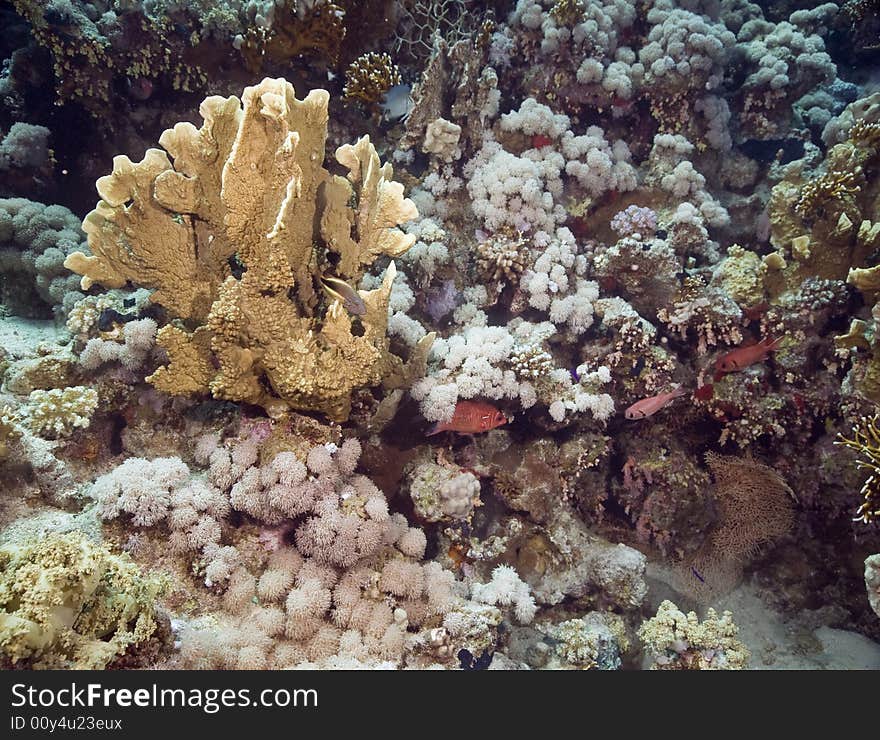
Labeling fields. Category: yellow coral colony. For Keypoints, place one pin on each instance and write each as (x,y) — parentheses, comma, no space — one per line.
(250,186)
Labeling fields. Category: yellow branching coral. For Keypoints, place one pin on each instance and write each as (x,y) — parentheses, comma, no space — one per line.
(298,29)
(817,195)
(250,185)
(370,76)
(866,441)
(826,224)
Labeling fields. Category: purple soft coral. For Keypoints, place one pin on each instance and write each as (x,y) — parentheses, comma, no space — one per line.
(635,220)
(441,300)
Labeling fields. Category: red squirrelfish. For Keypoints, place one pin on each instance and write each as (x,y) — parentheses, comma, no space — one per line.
(742,357)
(471,417)
(650,406)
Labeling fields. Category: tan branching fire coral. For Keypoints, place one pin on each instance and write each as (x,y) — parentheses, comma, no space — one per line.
(249,190)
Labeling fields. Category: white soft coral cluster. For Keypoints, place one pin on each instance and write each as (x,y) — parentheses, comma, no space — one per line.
(301,613)
(685,50)
(507,589)
(400,323)
(518,191)
(597,30)
(583,395)
(523,190)
(786,58)
(470,365)
(138,338)
(597,165)
(492,362)
(35,239)
(25,147)
(555,284)
(593,41)
(430,250)
(670,169)
(351,590)
(352,586)
(140,488)
(534,118)
(164,490)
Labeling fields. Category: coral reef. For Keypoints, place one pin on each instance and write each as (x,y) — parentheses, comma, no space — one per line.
(524,321)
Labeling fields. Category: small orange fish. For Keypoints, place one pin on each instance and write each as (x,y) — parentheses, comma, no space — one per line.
(742,357)
(650,406)
(470,417)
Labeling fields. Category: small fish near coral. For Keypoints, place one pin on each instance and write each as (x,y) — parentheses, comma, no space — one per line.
(650,406)
(341,291)
(470,417)
(742,357)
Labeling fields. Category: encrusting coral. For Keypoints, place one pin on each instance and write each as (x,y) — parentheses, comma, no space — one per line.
(250,187)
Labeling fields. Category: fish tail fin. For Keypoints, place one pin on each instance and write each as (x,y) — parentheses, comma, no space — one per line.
(678,391)
(772,344)
(435,428)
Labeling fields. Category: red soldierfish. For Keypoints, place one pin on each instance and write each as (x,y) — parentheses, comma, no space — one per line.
(742,357)
(471,417)
(650,406)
